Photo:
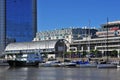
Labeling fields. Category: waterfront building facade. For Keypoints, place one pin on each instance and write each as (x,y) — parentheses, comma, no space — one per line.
(107,40)
(50,48)
(104,44)
(68,34)
(113,29)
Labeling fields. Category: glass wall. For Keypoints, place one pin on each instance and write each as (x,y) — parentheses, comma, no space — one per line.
(2,25)
(21,21)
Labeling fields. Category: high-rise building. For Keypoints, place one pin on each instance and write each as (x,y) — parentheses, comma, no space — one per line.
(21,19)
(2,25)
(18,20)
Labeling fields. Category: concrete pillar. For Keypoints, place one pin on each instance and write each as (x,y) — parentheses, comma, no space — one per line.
(118,54)
(95,48)
(82,48)
(88,48)
(102,52)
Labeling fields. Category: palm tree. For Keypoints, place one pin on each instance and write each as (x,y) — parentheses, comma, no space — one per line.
(94,52)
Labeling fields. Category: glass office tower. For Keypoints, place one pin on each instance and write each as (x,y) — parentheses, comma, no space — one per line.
(18,21)
(21,22)
(2,25)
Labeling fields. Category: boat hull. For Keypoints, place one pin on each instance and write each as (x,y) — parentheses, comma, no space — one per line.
(14,63)
(106,66)
(67,64)
(87,65)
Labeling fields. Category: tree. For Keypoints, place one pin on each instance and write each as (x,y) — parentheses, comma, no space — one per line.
(95,53)
(68,54)
(84,53)
(78,53)
(114,53)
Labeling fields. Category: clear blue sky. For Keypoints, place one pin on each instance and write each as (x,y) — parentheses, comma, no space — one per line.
(57,14)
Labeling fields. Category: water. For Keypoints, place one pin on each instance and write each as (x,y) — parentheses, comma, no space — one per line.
(58,73)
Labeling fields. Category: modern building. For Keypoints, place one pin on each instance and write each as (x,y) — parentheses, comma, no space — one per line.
(51,48)
(69,34)
(18,21)
(21,19)
(52,42)
(107,40)
(110,29)
(2,25)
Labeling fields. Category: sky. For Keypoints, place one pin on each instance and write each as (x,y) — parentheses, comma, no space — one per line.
(58,14)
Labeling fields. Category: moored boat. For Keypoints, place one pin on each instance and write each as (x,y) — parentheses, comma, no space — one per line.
(86,64)
(23,59)
(118,66)
(106,66)
(67,63)
(50,63)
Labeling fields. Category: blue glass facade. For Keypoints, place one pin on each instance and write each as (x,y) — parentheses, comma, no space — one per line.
(2,25)
(21,23)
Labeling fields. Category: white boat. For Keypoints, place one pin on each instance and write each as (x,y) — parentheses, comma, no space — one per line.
(50,63)
(67,63)
(89,65)
(106,66)
(118,66)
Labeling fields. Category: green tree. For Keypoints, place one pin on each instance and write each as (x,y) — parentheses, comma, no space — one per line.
(84,53)
(114,53)
(79,53)
(95,52)
(68,54)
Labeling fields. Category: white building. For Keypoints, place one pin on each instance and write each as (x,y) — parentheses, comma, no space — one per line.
(68,34)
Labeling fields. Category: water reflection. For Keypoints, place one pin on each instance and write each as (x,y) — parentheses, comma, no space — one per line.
(49,73)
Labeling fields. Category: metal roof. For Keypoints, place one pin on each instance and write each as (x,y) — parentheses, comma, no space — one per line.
(31,45)
(111,23)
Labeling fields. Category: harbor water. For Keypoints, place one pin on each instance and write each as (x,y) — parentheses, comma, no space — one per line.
(57,73)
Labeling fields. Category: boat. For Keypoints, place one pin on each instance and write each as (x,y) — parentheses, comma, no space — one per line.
(86,64)
(67,63)
(50,63)
(118,65)
(106,66)
(89,65)
(24,59)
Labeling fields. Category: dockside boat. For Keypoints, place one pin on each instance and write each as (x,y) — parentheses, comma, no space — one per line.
(118,65)
(67,63)
(23,59)
(86,64)
(106,66)
(50,63)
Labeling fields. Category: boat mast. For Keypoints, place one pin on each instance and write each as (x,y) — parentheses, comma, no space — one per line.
(89,36)
(107,39)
